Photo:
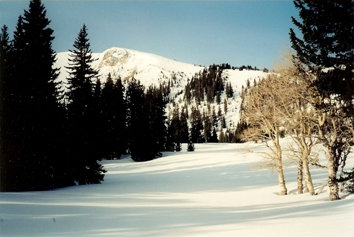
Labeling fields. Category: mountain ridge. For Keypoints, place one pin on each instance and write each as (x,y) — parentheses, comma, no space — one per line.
(151,69)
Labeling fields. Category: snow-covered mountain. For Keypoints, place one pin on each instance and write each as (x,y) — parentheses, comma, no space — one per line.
(153,69)
(126,63)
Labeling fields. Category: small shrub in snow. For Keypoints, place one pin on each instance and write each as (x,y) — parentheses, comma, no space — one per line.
(190,146)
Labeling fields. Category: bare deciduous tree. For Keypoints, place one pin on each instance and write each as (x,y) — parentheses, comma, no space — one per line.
(288,101)
(298,114)
(335,132)
(260,111)
(333,126)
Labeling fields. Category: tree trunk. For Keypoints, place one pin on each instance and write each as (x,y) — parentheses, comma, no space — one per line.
(281,178)
(308,178)
(332,178)
(300,187)
(279,158)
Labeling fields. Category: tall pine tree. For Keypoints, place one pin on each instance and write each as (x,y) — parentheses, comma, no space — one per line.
(35,110)
(137,124)
(326,45)
(154,113)
(114,118)
(120,119)
(82,146)
(5,107)
(146,121)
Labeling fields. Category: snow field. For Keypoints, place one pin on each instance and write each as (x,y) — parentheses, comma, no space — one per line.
(218,190)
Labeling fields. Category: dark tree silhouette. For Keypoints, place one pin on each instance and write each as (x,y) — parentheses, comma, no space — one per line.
(5,109)
(82,146)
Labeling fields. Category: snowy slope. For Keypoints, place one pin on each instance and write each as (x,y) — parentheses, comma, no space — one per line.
(218,190)
(127,63)
(152,69)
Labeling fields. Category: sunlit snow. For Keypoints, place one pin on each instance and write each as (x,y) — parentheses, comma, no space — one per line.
(218,190)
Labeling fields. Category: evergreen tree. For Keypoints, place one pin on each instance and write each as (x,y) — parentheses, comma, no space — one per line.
(196,126)
(176,128)
(154,113)
(135,100)
(170,144)
(35,131)
(140,142)
(5,109)
(98,119)
(98,90)
(225,106)
(120,119)
(190,146)
(327,42)
(178,147)
(207,128)
(109,114)
(229,90)
(187,93)
(241,127)
(214,136)
(214,118)
(223,122)
(82,145)
(219,113)
(113,109)
(184,134)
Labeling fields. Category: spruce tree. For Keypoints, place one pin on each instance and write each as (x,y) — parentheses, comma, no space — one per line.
(98,119)
(82,145)
(326,44)
(137,125)
(120,119)
(146,121)
(196,126)
(35,111)
(109,115)
(184,131)
(13,100)
(207,128)
(5,108)
(114,118)
(154,113)
(229,90)
(214,136)
(176,128)
(159,119)
(170,143)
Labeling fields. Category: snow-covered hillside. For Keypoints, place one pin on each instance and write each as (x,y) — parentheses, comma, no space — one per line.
(127,63)
(152,69)
(218,190)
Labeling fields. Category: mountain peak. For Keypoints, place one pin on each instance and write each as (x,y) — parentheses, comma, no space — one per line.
(151,69)
(127,63)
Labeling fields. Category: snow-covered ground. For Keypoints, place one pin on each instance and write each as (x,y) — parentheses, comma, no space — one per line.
(218,190)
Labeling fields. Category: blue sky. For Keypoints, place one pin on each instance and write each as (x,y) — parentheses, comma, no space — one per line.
(200,32)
